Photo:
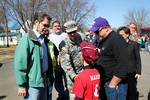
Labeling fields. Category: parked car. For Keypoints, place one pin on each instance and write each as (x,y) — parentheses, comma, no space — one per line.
(145,34)
(145,31)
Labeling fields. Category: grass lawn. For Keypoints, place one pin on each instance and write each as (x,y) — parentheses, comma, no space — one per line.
(6,53)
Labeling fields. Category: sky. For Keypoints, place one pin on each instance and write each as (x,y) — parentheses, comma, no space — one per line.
(115,10)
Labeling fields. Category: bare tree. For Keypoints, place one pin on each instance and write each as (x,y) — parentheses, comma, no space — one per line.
(1,19)
(64,10)
(24,10)
(4,19)
(141,17)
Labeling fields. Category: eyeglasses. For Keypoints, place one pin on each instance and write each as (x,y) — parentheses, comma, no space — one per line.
(100,29)
(46,25)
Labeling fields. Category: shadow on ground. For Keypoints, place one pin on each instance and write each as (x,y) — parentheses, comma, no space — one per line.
(1,64)
(2,97)
(148,96)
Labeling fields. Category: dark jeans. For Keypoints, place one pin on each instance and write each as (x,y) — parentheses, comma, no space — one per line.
(60,85)
(132,93)
(117,93)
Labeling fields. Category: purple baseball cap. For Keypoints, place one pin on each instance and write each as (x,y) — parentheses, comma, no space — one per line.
(99,23)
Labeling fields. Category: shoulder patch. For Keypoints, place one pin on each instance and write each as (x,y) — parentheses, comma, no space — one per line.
(64,51)
(61,45)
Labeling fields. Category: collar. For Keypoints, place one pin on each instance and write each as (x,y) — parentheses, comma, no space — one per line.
(88,66)
(77,40)
(58,33)
(32,35)
(38,35)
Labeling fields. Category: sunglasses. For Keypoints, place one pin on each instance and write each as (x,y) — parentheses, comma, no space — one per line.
(100,29)
(46,25)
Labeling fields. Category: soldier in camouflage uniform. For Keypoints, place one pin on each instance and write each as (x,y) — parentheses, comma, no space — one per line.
(70,53)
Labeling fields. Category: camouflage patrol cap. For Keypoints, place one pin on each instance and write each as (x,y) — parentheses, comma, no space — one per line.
(70,26)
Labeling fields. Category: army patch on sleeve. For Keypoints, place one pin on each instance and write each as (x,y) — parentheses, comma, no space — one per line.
(64,51)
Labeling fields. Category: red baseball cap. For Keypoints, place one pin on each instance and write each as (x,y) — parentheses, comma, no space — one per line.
(89,52)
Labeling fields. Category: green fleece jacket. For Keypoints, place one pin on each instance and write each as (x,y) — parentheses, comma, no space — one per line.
(28,62)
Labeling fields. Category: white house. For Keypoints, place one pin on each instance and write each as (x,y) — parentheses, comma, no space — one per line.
(13,35)
(12,39)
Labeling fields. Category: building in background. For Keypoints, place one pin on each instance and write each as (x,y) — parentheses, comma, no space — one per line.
(13,34)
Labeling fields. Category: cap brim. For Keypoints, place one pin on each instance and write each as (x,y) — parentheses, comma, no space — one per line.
(71,30)
(94,29)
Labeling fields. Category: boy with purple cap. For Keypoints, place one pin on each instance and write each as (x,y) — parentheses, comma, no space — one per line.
(113,61)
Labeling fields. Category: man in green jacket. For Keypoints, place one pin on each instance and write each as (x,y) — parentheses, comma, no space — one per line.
(33,64)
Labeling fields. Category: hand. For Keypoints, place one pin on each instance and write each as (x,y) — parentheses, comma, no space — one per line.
(21,91)
(66,89)
(74,78)
(99,50)
(114,82)
(112,85)
(137,76)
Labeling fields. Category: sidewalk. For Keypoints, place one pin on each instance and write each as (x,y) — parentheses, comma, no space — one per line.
(144,81)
